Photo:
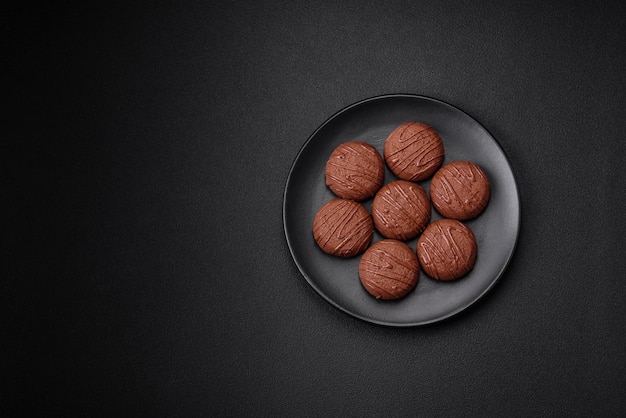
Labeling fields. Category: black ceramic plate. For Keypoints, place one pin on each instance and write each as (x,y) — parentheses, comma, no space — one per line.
(336,279)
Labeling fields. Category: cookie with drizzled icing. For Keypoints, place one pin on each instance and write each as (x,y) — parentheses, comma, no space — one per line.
(460,190)
(343,228)
(413,151)
(389,269)
(401,210)
(355,170)
(447,249)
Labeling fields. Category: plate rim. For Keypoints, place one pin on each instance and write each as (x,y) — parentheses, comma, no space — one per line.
(326,297)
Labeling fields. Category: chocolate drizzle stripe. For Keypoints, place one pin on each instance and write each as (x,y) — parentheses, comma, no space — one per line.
(361,185)
(359,163)
(411,136)
(362,224)
(372,284)
(395,279)
(365,173)
(445,191)
(400,272)
(341,228)
(355,185)
(337,222)
(417,154)
(381,290)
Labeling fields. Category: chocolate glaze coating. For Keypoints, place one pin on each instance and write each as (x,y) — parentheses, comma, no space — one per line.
(389,269)
(447,249)
(460,190)
(343,228)
(401,210)
(355,170)
(413,151)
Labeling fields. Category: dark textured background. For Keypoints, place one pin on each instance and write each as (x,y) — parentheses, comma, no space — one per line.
(145,153)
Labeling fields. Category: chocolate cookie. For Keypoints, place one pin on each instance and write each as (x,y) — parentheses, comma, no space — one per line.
(413,151)
(343,228)
(460,190)
(447,249)
(401,210)
(355,170)
(389,269)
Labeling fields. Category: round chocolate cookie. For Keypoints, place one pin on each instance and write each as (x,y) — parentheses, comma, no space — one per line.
(447,249)
(460,190)
(389,269)
(355,170)
(401,210)
(413,151)
(343,228)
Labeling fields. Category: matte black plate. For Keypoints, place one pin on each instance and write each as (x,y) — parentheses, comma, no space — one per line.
(336,279)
